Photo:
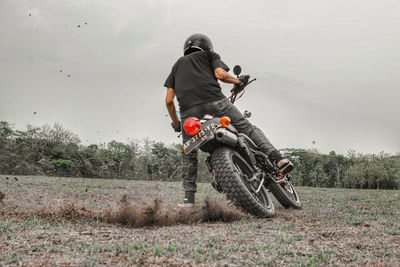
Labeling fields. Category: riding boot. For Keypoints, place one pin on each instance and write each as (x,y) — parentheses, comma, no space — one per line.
(189,200)
(275,156)
(189,197)
(283,164)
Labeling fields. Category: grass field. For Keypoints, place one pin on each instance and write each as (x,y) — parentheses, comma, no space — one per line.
(72,221)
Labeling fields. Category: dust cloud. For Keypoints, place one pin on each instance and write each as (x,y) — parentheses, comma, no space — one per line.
(133,214)
(160,214)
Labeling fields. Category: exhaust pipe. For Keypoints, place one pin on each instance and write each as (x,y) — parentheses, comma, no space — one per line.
(226,137)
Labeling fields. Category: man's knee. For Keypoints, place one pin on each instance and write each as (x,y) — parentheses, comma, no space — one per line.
(249,129)
(261,140)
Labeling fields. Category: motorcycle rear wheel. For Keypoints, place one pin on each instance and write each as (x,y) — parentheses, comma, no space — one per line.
(233,174)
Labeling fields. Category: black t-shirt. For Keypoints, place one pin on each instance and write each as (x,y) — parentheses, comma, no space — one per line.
(192,78)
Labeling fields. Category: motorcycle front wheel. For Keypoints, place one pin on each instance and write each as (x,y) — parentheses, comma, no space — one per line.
(286,194)
(236,178)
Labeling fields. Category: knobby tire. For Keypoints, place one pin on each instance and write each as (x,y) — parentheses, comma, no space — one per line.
(233,186)
(284,197)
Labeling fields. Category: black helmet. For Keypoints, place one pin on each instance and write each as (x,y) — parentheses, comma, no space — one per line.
(197,42)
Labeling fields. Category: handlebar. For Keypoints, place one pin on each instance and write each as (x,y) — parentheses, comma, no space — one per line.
(237,89)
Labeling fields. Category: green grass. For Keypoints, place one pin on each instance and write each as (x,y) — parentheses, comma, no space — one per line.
(5,226)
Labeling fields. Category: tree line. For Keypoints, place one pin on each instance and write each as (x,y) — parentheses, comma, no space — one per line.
(56,151)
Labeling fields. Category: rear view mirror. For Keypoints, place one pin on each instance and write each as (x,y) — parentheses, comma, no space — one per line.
(237,70)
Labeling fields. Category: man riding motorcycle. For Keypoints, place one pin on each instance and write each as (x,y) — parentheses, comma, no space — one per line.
(194,81)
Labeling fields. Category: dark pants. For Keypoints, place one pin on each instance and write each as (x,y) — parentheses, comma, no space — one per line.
(218,109)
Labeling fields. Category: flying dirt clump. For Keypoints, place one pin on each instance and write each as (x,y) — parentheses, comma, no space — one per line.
(160,214)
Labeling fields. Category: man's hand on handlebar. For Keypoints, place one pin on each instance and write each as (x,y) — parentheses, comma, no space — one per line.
(240,83)
(244,78)
(239,87)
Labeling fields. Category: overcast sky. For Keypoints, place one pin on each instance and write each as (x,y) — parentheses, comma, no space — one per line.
(327,71)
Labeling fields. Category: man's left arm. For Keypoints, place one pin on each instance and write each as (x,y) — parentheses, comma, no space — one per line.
(221,70)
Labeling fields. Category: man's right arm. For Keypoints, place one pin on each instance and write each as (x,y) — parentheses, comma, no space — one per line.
(225,77)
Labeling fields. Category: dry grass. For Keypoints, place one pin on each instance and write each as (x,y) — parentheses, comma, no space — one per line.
(70,221)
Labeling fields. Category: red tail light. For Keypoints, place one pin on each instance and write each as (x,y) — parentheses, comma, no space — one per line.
(192,126)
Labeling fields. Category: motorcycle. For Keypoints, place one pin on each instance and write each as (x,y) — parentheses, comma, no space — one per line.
(240,169)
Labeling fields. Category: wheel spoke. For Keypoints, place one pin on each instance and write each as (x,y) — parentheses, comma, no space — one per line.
(252,179)
(260,186)
(288,188)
